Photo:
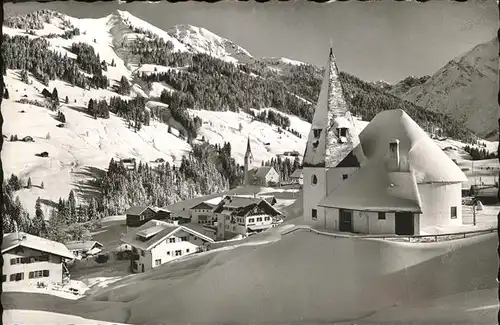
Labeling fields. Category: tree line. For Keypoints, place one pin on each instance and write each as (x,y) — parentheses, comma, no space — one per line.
(68,221)
(208,169)
(480,153)
(34,55)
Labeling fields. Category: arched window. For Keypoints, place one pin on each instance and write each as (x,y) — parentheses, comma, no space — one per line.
(314,180)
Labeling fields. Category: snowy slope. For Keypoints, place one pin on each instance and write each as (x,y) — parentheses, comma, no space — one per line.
(465,88)
(201,40)
(250,282)
(135,22)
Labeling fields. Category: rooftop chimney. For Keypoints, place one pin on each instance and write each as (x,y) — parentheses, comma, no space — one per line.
(394,158)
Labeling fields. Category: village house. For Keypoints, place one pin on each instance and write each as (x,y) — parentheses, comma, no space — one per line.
(158,242)
(293,153)
(390,179)
(162,213)
(82,249)
(202,212)
(139,215)
(238,215)
(487,195)
(297,177)
(128,163)
(31,260)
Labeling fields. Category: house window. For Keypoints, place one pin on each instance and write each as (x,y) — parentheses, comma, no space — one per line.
(178,253)
(344,176)
(234,228)
(267,218)
(158,262)
(259,219)
(4,278)
(37,274)
(317,133)
(314,180)
(143,253)
(381,216)
(184,238)
(17,277)
(453,212)
(171,240)
(187,250)
(168,253)
(46,273)
(314,214)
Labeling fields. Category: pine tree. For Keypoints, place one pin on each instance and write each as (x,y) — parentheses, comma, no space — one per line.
(57,231)
(91,108)
(92,210)
(67,100)
(39,227)
(42,185)
(55,96)
(6,94)
(29,182)
(72,207)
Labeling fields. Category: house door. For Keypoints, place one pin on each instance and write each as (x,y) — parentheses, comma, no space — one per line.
(142,265)
(404,223)
(345,220)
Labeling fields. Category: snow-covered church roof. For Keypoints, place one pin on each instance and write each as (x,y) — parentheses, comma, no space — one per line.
(377,186)
(428,162)
(333,133)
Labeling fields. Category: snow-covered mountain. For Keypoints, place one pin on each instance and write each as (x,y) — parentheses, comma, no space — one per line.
(465,88)
(201,40)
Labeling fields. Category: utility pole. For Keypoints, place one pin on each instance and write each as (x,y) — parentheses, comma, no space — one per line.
(474,203)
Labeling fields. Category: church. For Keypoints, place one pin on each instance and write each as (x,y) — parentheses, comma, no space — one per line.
(386,178)
(263,175)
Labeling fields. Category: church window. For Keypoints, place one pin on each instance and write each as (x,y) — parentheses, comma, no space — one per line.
(344,176)
(314,180)
(315,144)
(342,132)
(317,133)
(453,212)
(314,214)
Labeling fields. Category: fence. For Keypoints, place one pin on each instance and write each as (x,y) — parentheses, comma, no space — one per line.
(411,239)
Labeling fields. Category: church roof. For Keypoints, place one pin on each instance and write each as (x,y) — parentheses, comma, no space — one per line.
(325,146)
(374,188)
(429,163)
(249,149)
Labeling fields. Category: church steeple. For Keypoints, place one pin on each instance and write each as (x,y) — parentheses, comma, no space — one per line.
(248,164)
(333,134)
(249,149)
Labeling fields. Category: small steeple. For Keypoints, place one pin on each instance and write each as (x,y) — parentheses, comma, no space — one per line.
(249,149)
(333,134)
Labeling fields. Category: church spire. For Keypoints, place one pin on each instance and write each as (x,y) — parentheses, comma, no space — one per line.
(249,149)
(332,134)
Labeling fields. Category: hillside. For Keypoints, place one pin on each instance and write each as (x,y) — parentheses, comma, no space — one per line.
(466,88)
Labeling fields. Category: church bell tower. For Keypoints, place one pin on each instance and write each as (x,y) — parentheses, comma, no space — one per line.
(248,163)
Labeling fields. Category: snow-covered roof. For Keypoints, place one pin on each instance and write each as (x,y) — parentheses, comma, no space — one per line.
(83,245)
(375,188)
(325,146)
(13,240)
(137,210)
(429,163)
(297,173)
(162,231)
(262,172)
